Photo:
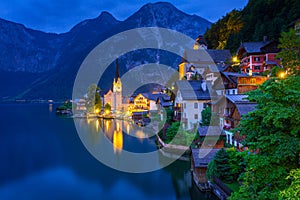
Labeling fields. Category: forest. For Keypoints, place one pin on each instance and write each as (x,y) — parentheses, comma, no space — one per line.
(258,19)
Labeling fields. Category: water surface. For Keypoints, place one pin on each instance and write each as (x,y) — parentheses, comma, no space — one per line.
(42,157)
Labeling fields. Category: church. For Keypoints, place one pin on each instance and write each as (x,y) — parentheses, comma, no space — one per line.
(114,95)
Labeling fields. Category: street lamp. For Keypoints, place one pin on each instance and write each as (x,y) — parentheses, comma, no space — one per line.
(234,59)
(281,75)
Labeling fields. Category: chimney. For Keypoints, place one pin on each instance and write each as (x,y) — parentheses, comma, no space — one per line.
(265,38)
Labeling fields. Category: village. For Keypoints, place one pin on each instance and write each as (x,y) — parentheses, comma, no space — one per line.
(207,101)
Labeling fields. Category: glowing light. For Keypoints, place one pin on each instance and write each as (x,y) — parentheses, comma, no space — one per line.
(107,125)
(118,141)
(50,107)
(128,129)
(118,126)
(250,72)
(97,125)
(97,111)
(234,59)
(281,74)
(107,111)
(140,134)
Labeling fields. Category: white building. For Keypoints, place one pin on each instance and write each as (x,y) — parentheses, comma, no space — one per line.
(114,96)
(192,97)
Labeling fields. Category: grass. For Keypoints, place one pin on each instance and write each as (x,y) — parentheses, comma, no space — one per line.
(233,186)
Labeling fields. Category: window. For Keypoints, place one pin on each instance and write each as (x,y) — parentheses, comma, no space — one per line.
(257,59)
(204,105)
(253,81)
(184,105)
(195,105)
(256,67)
(233,91)
(196,116)
(243,81)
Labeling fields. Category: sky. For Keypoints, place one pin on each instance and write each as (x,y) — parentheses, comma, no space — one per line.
(59,16)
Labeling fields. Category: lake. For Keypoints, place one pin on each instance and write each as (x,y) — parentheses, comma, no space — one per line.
(43,157)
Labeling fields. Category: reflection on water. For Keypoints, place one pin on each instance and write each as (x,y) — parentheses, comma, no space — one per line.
(118,139)
(120,133)
(50,107)
(43,158)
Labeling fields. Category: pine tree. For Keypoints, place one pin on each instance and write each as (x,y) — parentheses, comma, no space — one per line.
(223,170)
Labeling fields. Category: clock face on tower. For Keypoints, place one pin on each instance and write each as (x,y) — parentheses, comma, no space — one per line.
(118,86)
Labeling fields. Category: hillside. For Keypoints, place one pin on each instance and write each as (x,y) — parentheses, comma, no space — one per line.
(258,19)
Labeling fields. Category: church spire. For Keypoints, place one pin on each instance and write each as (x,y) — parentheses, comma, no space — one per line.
(117,76)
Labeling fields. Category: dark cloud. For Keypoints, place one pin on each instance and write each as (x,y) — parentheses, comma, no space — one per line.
(61,15)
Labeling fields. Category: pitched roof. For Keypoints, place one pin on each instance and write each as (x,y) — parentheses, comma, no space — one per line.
(164,101)
(200,56)
(219,56)
(254,47)
(209,131)
(206,56)
(117,71)
(192,90)
(202,156)
(245,108)
(154,97)
(237,98)
(232,76)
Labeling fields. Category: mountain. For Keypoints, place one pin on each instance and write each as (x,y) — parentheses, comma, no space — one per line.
(21,47)
(44,65)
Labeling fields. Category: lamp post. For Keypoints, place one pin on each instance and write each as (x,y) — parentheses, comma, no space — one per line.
(281,75)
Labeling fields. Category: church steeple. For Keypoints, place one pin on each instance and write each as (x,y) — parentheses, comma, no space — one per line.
(117,76)
(117,84)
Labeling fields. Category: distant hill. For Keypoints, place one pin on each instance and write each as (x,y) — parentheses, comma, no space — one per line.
(47,64)
(258,19)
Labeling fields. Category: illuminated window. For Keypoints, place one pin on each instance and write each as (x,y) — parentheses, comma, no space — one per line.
(253,81)
(243,81)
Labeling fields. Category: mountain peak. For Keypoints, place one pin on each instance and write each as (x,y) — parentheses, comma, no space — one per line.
(106,16)
(159,5)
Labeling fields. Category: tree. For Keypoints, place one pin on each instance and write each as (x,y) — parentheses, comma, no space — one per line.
(93,101)
(177,135)
(211,169)
(259,18)
(272,129)
(293,191)
(172,131)
(290,44)
(107,108)
(208,117)
(236,162)
(219,32)
(223,170)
